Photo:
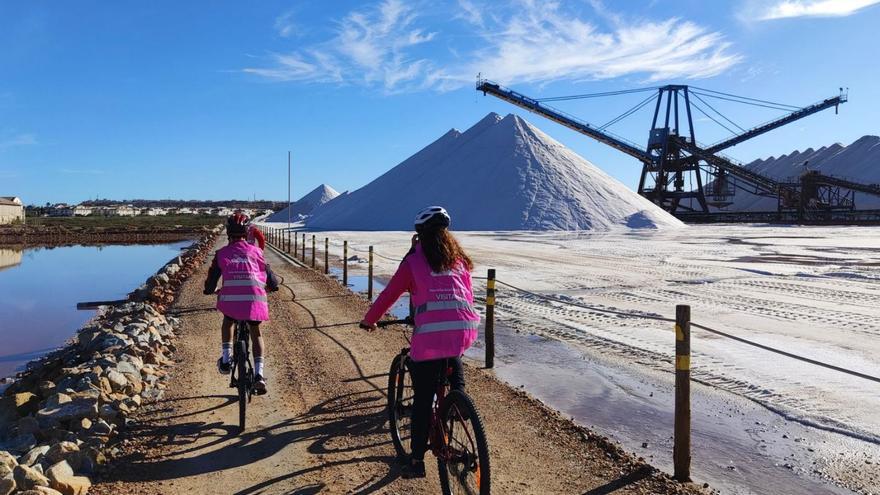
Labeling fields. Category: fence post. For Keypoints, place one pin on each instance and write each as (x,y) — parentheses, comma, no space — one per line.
(288,239)
(490,319)
(681,453)
(313,252)
(295,243)
(370,276)
(345,263)
(326,255)
(304,248)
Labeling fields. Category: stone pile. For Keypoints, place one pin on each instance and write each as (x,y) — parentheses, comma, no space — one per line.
(58,415)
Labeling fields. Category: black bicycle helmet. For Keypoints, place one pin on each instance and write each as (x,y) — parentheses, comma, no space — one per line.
(237,225)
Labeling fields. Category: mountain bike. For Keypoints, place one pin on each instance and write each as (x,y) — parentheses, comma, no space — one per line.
(242,376)
(456,435)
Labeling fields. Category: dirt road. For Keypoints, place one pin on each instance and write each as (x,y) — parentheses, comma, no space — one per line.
(322,427)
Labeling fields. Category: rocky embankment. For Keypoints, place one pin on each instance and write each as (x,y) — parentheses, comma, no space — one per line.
(57,416)
(56,235)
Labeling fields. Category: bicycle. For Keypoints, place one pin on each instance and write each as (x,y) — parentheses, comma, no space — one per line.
(456,435)
(242,376)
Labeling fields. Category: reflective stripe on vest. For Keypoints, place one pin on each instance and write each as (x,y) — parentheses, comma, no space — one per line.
(443,326)
(242,298)
(441,305)
(243,283)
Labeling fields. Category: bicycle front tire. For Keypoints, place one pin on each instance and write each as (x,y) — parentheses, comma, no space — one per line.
(399,404)
(465,466)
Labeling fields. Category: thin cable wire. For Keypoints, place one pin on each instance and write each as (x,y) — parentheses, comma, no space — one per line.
(794,107)
(784,109)
(787,354)
(719,113)
(596,95)
(693,104)
(629,112)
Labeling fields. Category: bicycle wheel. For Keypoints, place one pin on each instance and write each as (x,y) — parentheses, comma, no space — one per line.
(464,463)
(242,381)
(400,399)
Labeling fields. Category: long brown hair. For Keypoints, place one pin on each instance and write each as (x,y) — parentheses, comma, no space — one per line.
(442,250)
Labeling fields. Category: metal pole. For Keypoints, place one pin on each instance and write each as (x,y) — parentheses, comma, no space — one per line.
(313,252)
(326,255)
(288,191)
(370,276)
(681,452)
(490,319)
(345,263)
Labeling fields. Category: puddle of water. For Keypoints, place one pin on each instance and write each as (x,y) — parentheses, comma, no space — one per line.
(358,283)
(738,447)
(40,288)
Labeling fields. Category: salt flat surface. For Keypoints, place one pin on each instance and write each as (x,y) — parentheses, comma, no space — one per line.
(813,291)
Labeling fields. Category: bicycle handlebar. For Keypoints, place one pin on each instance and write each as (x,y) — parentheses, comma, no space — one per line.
(405,321)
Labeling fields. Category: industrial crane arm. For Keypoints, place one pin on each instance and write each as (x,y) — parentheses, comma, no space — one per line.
(557,116)
(763,184)
(769,126)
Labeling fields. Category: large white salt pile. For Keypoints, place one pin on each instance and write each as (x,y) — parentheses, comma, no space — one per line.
(501,174)
(305,205)
(859,162)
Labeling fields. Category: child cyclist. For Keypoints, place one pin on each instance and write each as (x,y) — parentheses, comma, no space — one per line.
(246,278)
(436,273)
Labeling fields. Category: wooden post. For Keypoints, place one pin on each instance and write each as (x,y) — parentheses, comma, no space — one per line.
(326,255)
(288,239)
(345,263)
(490,319)
(304,248)
(370,276)
(681,452)
(313,252)
(295,243)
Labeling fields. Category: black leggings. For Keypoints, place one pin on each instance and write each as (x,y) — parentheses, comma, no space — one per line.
(426,375)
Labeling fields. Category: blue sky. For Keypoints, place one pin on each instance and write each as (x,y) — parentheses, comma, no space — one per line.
(202,100)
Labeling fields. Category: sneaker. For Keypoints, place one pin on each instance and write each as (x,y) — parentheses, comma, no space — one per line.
(224,368)
(413,469)
(259,385)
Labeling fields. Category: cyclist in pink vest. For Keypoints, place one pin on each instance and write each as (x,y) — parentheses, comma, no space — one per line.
(246,279)
(436,273)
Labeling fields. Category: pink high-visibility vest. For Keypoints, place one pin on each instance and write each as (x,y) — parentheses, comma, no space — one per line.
(243,295)
(446,322)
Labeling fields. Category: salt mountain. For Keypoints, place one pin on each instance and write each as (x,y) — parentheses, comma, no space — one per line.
(305,205)
(501,174)
(859,162)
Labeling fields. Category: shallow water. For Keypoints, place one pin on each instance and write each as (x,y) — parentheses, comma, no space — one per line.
(358,283)
(40,288)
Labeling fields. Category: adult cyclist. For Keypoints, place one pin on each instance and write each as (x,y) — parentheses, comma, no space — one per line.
(436,273)
(246,279)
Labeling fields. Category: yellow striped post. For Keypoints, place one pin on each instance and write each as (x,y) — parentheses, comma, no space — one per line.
(490,319)
(313,252)
(345,263)
(370,276)
(681,451)
(326,255)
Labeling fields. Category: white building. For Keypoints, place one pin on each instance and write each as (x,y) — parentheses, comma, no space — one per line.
(83,211)
(11,210)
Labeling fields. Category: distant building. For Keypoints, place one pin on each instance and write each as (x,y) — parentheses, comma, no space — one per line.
(83,211)
(60,210)
(11,210)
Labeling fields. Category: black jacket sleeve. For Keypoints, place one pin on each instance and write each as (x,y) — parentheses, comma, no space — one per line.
(271,281)
(213,277)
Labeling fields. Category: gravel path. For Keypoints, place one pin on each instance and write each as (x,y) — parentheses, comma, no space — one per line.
(322,427)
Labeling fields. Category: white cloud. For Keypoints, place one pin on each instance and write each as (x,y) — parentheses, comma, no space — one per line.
(18,140)
(284,25)
(369,46)
(542,43)
(470,12)
(533,41)
(810,8)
